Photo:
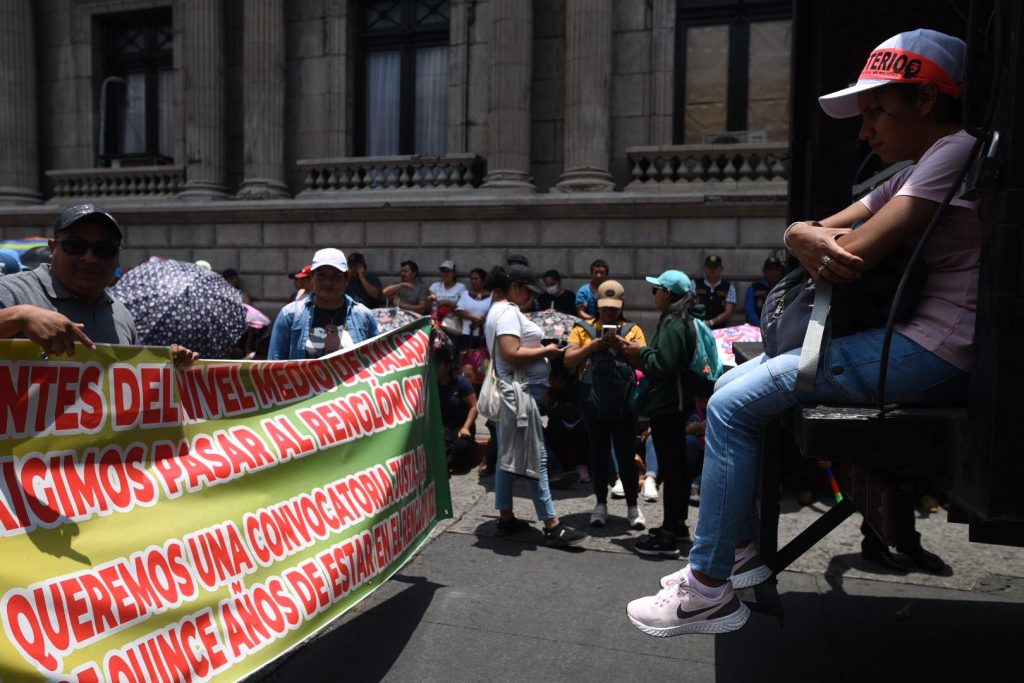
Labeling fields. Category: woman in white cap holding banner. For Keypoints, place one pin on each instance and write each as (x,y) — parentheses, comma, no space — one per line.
(908,96)
(326,320)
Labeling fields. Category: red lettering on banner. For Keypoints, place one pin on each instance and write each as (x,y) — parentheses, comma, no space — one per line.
(210,460)
(349,564)
(382,544)
(167,460)
(214,391)
(262,614)
(412,392)
(309,585)
(360,413)
(51,618)
(288,442)
(187,650)
(53,398)
(219,555)
(348,367)
(143,396)
(284,382)
(51,490)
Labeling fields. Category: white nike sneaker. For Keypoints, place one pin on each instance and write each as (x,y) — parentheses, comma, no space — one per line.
(617,490)
(747,571)
(680,609)
(600,515)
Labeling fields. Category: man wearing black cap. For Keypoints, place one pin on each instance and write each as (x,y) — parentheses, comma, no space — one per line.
(717,295)
(773,271)
(66,301)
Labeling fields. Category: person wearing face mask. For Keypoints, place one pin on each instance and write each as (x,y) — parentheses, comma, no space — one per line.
(555,296)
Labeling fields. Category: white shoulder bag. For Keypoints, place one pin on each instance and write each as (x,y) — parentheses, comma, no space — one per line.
(489,402)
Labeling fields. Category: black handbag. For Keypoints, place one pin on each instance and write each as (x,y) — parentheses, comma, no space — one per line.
(856,306)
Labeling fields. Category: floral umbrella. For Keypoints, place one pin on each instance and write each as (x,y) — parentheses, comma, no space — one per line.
(176,302)
(726,336)
(553,324)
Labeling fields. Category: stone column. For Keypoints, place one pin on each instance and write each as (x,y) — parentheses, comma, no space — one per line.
(663,59)
(205,100)
(19,160)
(508,104)
(263,54)
(588,73)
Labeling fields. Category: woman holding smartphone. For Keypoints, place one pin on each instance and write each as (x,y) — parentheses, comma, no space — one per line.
(522,364)
(606,380)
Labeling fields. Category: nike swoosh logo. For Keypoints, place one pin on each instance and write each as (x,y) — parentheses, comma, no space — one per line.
(682,614)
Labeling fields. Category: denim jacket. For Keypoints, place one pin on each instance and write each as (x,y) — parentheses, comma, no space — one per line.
(291,328)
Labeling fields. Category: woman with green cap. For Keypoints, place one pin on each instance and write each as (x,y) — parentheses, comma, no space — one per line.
(667,405)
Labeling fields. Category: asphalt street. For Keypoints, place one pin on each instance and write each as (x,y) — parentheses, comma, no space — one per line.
(473,607)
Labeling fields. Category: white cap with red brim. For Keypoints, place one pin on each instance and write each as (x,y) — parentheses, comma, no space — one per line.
(919,56)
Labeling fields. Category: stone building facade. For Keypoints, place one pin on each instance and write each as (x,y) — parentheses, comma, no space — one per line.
(251,132)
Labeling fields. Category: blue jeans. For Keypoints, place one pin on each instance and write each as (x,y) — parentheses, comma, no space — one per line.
(747,398)
(651,458)
(538,489)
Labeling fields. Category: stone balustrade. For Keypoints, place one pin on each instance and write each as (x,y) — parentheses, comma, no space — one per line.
(403,172)
(150,182)
(726,169)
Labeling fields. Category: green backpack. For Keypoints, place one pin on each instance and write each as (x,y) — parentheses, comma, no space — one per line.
(706,362)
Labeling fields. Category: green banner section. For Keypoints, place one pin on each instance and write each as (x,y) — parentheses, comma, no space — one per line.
(161,524)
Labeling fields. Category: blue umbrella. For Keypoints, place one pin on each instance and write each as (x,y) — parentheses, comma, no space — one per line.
(175,302)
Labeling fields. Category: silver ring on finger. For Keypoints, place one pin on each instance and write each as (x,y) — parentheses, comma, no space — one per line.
(825,260)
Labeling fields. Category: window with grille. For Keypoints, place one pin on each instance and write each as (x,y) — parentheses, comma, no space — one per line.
(402,77)
(136,88)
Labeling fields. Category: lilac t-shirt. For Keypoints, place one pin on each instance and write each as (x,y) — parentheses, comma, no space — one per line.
(944,320)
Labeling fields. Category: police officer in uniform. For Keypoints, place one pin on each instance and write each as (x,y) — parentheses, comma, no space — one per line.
(753,303)
(716,294)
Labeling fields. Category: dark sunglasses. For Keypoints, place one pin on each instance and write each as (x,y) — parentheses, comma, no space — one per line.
(74,246)
(445,270)
(655,290)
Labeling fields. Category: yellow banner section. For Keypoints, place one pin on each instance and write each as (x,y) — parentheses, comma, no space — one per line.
(163,524)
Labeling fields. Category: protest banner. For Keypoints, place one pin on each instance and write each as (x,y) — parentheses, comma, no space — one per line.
(162,524)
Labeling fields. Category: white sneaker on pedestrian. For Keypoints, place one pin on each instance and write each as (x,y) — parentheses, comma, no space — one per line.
(617,490)
(747,570)
(650,490)
(636,518)
(600,515)
(680,609)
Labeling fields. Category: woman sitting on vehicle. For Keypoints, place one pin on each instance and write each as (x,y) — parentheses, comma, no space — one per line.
(908,99)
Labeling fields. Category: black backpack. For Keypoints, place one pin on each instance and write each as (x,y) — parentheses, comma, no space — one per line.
(607,380)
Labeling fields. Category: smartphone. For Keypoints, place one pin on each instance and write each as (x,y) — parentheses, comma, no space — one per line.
(609,331)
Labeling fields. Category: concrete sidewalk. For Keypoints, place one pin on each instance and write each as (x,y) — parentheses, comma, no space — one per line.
(472,607)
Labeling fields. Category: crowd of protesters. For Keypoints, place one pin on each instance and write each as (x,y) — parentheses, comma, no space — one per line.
(595,385)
